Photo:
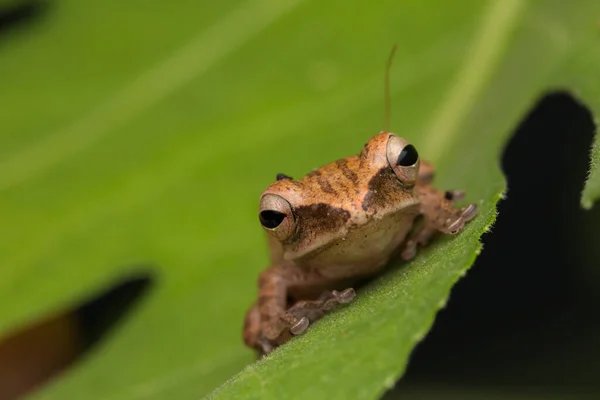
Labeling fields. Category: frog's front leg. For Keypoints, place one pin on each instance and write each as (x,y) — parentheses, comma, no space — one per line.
(273,286)
(268,319)
(263,324)
(439,215)
(251,332)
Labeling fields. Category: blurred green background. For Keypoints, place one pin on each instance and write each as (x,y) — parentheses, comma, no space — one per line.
(136,137)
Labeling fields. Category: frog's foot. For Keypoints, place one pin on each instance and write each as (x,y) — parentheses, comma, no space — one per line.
(299,316)
(465,215)
(439,215)
(439,211)
(419,238)
(459,216)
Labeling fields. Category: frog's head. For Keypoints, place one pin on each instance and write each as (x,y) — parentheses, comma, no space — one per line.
(313,213)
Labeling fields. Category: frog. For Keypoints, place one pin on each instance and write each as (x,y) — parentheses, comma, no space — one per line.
(341,225)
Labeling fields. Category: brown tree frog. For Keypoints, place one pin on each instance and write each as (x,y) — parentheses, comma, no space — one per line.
(339,225)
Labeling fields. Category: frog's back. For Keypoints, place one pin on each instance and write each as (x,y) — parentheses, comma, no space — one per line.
(342,184)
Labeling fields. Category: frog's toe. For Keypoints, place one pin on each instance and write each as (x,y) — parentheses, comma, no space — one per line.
(467,214)
(300,327)
(297,318)
(345,296)
(410,251)
(265,346)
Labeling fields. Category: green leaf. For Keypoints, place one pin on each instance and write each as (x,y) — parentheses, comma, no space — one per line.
(146,134)
(592,186)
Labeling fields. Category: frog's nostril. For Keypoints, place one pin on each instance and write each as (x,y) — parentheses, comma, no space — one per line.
(271,219)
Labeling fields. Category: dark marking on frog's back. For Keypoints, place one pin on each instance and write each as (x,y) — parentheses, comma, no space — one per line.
(325,186)
(383,187)
(346,171)
(317,218)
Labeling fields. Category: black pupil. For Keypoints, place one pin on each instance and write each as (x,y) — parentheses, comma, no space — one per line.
(271,219)
(408,156)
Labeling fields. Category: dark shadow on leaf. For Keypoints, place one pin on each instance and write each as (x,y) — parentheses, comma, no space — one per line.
(31,356)
(19,14)
(526,315)
(98,316)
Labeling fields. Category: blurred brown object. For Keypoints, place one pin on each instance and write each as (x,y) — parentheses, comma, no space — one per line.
(32,355)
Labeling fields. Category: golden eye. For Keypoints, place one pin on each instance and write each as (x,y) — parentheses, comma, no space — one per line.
(275,215)
(403,159)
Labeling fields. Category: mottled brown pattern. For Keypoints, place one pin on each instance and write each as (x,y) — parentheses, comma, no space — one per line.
(342,183)
(295,183)
(346,171)
(325,186)
(369,147)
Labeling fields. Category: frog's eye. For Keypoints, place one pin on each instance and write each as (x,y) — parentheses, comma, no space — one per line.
(403,159)
(408,156)
(276,216)
(271,219)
